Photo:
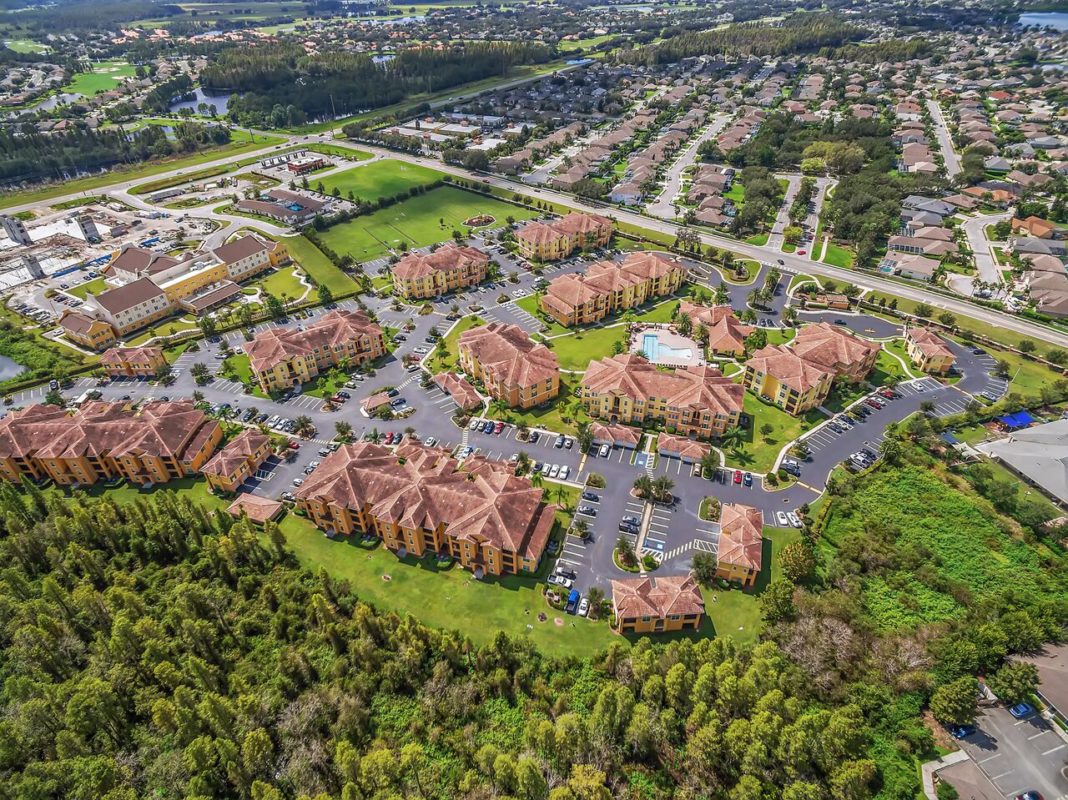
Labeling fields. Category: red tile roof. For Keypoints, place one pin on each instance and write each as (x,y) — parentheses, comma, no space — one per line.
(699,387)
(657,597)
(236,453)
(336,328)
(450,257)
(741,536)
(509,355)
(788,367)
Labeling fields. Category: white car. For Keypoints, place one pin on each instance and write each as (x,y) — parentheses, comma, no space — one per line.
(784,522)
(430,441)
(564,472)
(605,450)
(474,424)
(584,607)
(554,471)
(545,468)
(794,519)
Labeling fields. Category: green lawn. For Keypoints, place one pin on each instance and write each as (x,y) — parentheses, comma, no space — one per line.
(106,75)
(757,453)
(1025,377)
(780,335)
(317,266)
(281,283)
(561,415)
(575,351)
(450,359)
(416,222)
(797,280)
(890,366)
(338,151)
(384,178)
(25,46)
(167,327)
(838,256)
(759,239)
(751,270)
(96,286)
(843,395)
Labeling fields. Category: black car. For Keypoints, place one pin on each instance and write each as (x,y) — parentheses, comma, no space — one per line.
(392,393)
(590,496)
(627,527)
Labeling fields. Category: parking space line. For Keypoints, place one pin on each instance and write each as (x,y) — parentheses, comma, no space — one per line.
(1054,749)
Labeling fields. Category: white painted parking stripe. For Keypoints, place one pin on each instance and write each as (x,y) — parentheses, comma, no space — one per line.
(1040,733)
(1054,749)
(990,758)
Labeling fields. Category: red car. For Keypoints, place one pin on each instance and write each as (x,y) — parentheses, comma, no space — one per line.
(389,438)
(498,427)
(889,394)
(801,252)
(294,445)
(737,476)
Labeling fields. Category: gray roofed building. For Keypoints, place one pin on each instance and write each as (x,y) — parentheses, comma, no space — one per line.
(1039,455)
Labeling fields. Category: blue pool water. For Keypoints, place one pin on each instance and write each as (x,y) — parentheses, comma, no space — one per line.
(655,350)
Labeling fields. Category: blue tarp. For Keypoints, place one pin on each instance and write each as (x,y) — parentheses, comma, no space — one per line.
(1021,419)
(949,438)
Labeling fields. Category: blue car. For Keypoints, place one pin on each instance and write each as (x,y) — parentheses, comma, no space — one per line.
(961,731)
(1021,710)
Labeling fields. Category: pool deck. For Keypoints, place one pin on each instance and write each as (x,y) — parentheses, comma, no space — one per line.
(666,337)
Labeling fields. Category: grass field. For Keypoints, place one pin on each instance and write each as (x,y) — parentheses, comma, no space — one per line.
(577,350)
(757,453)
(838,256)
(384,178)
(106,75)
(25,46)
(317,266)
(281,283)
(418,221)
(96,286)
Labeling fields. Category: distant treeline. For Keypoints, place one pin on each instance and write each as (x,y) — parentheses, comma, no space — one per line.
(344,83)
(31,156)
(801,33)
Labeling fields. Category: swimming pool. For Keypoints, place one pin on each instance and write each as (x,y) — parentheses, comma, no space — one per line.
(656,351)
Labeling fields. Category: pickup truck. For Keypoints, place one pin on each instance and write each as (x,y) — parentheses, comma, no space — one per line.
(572,601)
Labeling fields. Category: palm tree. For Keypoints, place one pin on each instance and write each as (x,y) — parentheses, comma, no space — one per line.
(374,436)
(584,437)
(536,480)
(709,463)
(662,487)
(927,406)
(643,486)
(344,429)
(581,528)
(733,438)
(303,425)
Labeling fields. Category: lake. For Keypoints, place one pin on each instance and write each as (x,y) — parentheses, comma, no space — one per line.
(198,96)
(1046,19)
(10,368)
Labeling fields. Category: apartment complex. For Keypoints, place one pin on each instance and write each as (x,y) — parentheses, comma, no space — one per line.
(692,401)
(419,500)
(551,241)
(164,441)
(741,541)
(784,378)
(726,334)
(657,605)
(146,286)
(928,351)
(282,357)
(450,267)
(513,368)
(832,347)
(610,286)
(237,461)
(133,362)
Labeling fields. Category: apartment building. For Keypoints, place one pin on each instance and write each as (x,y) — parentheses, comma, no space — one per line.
(161,442)
(86,331)
(551,241)
(420,500)
(282,357)
(741,540)
(928,351)
(784,378)
(691,401)
(608,287)
(447,269)
(133,362)
(657,604)
(726,334)
(513,368)
(237,461)
(837,349)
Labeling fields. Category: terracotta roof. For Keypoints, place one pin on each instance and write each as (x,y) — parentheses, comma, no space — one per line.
(725,331)
(259,509)
(741,536)
(788,367)
(124,355)
(421,487)
(76,322)
(682,446)
(567,292)
(132,294)
(236,453)
(657,597)
(509,355)
(160,428)
(275,345)
(571,225)
(832,347)
(699,387)
(615,434)
(928,343)
(450,257)
(457,387)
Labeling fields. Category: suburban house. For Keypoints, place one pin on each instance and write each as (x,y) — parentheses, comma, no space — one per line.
(784,378)
(693,401)
(551,241)
(513,368)
(836,349)
(741,530)
(282,357)
(420,500)
(133,362)
(162,442)
(450,267)
(1033,226)
(237,461)
(928,351)
(657,604)
(608,287)
(726,333)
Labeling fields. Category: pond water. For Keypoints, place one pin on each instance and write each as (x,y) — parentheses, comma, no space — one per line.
(9,368)
(54,100)
(220,101)
(1046,19)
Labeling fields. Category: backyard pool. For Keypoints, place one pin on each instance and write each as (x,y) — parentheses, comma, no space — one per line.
(657,351)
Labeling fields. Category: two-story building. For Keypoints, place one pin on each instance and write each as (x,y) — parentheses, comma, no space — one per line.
(133,362)
(654,604)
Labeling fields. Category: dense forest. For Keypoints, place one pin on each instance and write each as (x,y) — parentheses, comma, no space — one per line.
(800,33)
(32,156)
(344,83)
(151,649)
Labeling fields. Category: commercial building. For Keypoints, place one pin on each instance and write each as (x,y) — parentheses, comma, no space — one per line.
(726,333)
(282,357)
(1039,455)
(419,500)
(657,605)
(784,378)
(450,267)
(513,368)
(133,362)
(692,401)
(86,331)
(928,351)
(164,441)
(551,241)
(837,349)
(739,555)
(284,206)
(608,287)
(237,461)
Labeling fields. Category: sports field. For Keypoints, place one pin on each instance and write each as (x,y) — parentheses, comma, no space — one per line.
(384,178)
(419,221)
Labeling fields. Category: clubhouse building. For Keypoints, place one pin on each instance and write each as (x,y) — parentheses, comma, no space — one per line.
(657,604)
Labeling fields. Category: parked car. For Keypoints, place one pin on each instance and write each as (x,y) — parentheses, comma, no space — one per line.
(559,442)
(1021,710)
(589,511)
(794,519)
(564,472)
(782,519)
(430,441)
(631,520)
(573,601)
(474,424)
(605,450)
(748,479)
(590,496)
(554,470)
(961,731)
(737,476)
(584,607)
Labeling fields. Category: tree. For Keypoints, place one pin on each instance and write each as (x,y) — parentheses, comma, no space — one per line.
(923,311)
(643,487)
(625,552)
(275,308)
(956,703)
(1015,682)
(704,568)
(326,297)
(732,438)
(1026,346)
(890,450)
(200,373)
(344,429)
(798,561)
(303,425)
(207,326)
(777,602)
(766,430)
